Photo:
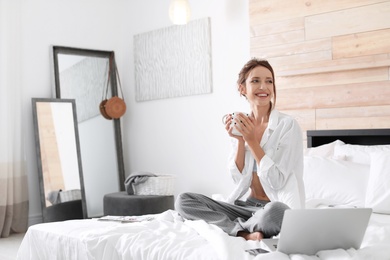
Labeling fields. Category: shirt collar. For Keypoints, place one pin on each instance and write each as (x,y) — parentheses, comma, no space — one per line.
(272,124)
(273,119)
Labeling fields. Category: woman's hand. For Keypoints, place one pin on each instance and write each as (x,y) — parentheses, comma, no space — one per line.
(245,125)
(240,155)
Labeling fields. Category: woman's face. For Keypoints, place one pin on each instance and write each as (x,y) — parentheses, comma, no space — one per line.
(259,86)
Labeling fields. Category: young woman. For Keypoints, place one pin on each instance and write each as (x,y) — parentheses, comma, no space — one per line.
(266,159)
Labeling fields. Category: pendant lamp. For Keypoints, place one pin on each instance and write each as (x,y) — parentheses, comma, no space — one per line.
(179,11)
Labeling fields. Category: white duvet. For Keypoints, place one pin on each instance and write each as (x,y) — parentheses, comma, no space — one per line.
(168,236)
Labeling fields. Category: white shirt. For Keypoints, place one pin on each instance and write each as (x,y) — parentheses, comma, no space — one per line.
(280,170)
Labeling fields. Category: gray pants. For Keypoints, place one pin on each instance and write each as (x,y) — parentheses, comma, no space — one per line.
(250,216)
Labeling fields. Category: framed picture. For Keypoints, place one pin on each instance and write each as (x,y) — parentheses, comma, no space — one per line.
(173,62)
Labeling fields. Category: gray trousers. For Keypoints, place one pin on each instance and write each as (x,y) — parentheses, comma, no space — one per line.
(250,216)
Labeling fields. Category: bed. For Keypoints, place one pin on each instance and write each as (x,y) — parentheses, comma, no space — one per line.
(343,168)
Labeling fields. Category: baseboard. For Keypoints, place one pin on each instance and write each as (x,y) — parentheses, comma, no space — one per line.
(34,219)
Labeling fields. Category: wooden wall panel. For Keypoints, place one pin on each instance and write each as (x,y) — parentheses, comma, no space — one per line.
(354,123)
(278,38)
(362,111)
(361,44)
(337,96)
(288,48)
(265,11)
(333,78)
(278,27)
(371,61)
(331,59)
(350,20)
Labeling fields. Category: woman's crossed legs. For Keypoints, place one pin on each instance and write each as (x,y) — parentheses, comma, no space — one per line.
(249,222)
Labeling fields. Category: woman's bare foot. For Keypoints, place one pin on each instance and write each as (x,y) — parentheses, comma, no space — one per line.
(257,236)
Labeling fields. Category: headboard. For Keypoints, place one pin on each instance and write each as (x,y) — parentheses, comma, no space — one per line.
(352,136)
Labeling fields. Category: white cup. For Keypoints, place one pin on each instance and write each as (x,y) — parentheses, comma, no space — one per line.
(232,125)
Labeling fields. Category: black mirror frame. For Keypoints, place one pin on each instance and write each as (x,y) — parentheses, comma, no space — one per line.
(67,210)
(114,90)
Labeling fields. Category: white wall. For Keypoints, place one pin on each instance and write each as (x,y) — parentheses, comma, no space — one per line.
(182,136)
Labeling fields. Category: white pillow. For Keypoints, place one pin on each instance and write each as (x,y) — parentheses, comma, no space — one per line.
(378,189)
(325,150)
(339,182)
(358,153)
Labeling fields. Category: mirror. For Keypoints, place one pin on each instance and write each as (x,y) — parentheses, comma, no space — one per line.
(83,75)
(59,162)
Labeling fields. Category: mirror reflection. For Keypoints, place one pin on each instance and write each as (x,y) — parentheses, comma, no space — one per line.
(83,75)
(59,162)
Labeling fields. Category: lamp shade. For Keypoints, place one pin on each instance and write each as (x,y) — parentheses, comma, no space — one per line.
(179,11)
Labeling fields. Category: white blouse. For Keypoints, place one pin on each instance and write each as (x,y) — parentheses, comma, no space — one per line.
(280,170)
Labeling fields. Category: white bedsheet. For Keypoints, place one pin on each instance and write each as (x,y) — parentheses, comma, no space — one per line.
(169,237)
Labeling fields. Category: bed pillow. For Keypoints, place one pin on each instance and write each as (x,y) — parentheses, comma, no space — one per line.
(358,153)
(378,188)
(325,150)
(336,181)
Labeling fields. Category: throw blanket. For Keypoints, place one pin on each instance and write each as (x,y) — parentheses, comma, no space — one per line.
(135,178)
(54,197)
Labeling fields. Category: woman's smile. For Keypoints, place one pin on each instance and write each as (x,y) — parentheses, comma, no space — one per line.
(262,95)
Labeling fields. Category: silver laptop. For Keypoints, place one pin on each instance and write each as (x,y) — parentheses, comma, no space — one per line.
(307,231)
